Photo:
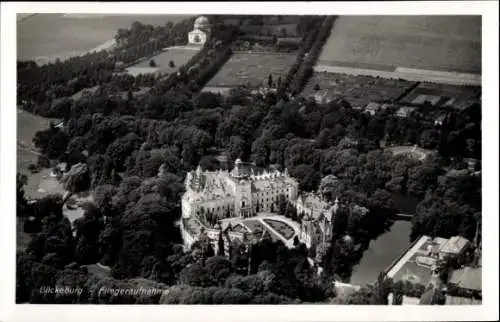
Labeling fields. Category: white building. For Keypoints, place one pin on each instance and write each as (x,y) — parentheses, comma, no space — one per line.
(201,31)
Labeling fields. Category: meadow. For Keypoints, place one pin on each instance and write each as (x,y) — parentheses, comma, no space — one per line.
(179,55)
(27,125)
(252,69)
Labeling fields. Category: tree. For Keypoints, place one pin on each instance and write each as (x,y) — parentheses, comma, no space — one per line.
(171,64)
(22,203)
(329,186)
(152,63)
(77,179)
(196,275)
(103,197)
(307,177)
(220,245)
(270,81)
(235,147)
(219,268)
(282,205)
(429,139)
(381,290)
(397,294)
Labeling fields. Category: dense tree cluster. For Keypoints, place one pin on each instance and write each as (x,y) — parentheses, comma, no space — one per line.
(452,208)
(305,71)
(134,151)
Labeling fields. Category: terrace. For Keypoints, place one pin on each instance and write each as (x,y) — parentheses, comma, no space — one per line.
(416,264)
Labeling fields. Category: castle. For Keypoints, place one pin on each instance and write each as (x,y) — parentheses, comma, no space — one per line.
(241,204)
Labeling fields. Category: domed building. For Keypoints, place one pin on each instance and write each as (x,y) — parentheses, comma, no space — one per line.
(201,31)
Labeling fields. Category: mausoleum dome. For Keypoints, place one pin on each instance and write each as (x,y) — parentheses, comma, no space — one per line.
(201,23)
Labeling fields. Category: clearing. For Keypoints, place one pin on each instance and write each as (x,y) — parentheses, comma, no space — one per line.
(27,125)
(180,55)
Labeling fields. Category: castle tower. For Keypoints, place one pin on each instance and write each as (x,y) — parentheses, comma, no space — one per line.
(336,205)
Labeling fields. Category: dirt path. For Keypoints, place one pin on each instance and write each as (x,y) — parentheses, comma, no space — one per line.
(410,74)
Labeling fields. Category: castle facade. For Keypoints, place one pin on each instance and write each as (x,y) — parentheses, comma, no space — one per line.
(241,205)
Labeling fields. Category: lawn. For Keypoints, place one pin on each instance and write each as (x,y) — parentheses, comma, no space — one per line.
(179,55)
(251,69)
(27,125)
(445,43)
(253,224)
(282,228)
(358,90)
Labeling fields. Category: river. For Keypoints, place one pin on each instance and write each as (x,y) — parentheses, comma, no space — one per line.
(43,37)
(387,247)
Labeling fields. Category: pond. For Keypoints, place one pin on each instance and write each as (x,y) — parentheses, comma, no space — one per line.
(388,246)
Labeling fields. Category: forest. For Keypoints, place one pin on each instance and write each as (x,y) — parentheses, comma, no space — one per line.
(136,152)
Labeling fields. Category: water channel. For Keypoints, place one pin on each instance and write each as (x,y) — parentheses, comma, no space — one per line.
(388,246)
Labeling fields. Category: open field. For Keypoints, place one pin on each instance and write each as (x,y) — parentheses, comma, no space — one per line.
(251,69)
(442,43)
(180,55)
(393,72)
(357,90)
(27,125)
(441,95)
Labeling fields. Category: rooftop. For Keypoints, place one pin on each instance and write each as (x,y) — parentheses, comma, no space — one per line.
(454,245)
(468,278)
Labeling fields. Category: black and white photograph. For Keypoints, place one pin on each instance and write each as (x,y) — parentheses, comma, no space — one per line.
(250,158)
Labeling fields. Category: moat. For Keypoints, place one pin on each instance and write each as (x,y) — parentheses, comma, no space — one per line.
(388,246)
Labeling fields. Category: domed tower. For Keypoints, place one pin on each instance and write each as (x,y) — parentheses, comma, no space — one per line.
(201,31)
(202,23)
